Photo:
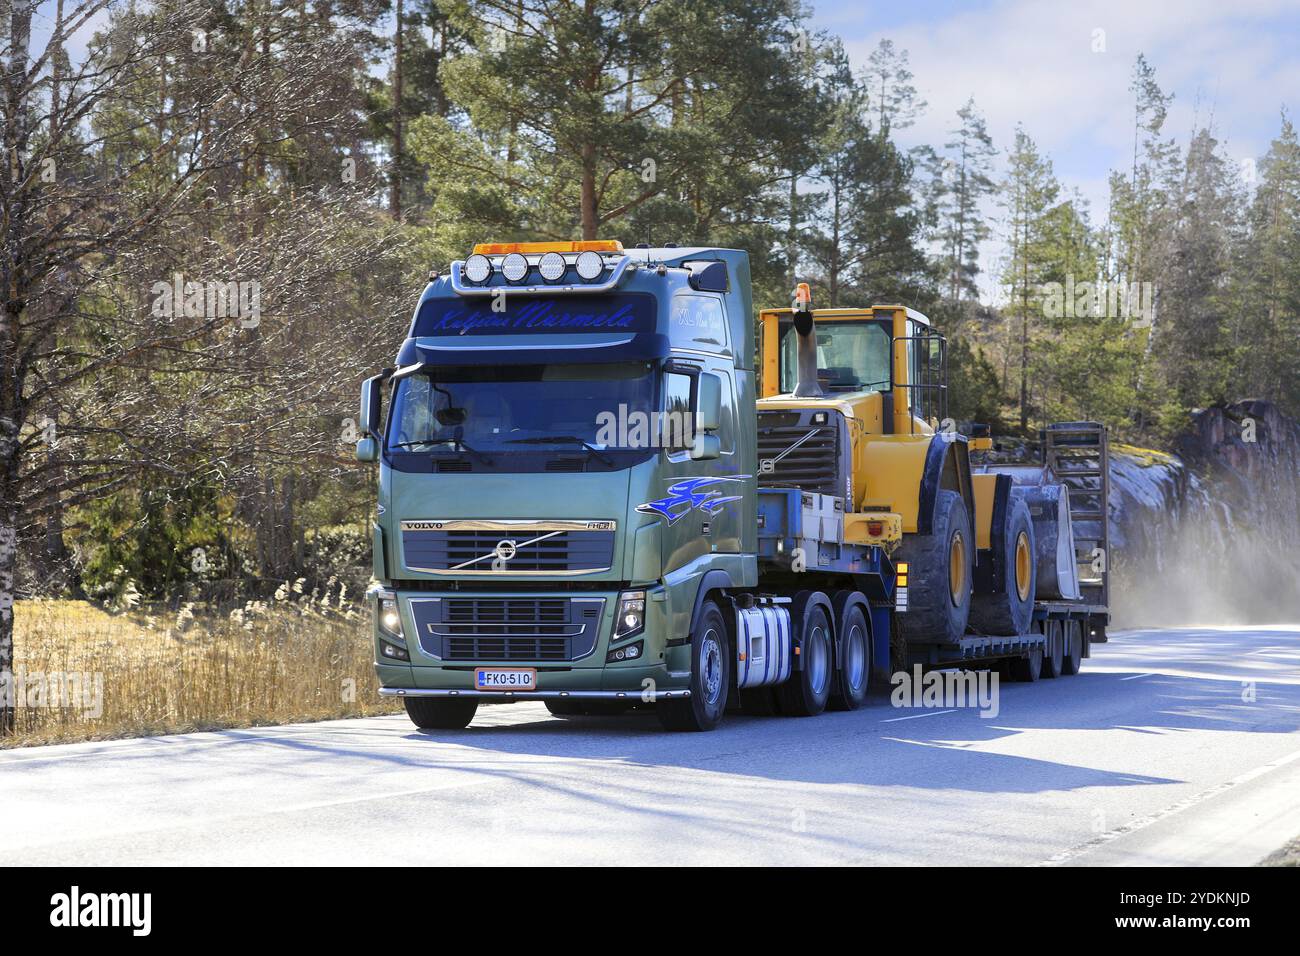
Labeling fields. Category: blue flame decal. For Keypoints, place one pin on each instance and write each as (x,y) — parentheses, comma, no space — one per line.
(685,496)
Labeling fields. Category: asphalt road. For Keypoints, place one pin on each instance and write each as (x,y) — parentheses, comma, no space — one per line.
(1173,747)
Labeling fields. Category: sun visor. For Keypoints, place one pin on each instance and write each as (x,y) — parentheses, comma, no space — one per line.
(530,329)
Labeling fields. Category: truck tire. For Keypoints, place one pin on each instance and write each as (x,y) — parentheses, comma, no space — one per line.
(806,692)
(710,677)
(1054,653)
(1012,611)
(441,713)
(852,674)
(1028,668)
(939,575)
(1073,661)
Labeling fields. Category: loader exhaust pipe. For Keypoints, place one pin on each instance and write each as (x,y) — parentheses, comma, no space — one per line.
(806,386)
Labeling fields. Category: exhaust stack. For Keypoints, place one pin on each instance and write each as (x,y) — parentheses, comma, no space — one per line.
(806,385)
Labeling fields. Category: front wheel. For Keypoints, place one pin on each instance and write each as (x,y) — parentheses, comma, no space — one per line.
(710,677)
(433,713)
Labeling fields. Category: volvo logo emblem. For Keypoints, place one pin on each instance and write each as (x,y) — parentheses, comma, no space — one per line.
(504,551)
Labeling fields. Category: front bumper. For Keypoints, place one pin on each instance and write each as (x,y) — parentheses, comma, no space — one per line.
(630,695)
(659,670)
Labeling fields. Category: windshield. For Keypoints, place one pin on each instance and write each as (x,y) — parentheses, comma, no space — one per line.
(850,355)
(517,407)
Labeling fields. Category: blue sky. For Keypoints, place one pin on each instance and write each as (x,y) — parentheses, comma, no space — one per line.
(1230,63)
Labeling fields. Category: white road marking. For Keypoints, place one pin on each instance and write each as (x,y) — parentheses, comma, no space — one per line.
(933,713)
(1192,801)
(1137,676)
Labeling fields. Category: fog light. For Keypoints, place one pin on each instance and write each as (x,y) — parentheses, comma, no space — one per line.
(552,266)
(514,267)
(629,653)
(478,268)
(393,652)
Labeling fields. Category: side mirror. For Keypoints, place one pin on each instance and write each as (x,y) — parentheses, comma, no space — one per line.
(706,448)
(708,404)
(367,449)
(370,402)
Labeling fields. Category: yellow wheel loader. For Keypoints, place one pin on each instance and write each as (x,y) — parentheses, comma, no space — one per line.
(853,405)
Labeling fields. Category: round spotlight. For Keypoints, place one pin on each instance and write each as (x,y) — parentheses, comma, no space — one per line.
(552,266)
(514,267)
(590,265)
(478,268)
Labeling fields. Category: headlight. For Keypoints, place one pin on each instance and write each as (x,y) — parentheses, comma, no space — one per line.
(514,267)
(478,268)
(390,619)
(590,265)
(552,266)
(631,615)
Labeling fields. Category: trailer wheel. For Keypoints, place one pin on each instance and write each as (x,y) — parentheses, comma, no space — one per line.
(435,713)
(1028,668)
(1054,654)
(1011,611)
(939,575)
(1073,661)
(853,669)
(710,677)
(806,692)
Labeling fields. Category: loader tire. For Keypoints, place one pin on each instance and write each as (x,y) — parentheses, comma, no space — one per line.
(939,575)
(1012,611)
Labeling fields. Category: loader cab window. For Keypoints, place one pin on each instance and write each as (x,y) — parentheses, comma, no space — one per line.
(851,355)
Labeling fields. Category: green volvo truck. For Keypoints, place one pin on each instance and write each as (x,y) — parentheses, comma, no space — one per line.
(583,500)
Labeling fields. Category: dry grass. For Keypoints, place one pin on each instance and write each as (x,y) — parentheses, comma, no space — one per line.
(193,669)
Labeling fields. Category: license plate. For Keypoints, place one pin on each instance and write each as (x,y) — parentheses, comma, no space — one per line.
(505,678)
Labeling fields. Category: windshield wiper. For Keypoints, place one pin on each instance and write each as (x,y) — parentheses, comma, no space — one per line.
(456,441)
(557,439)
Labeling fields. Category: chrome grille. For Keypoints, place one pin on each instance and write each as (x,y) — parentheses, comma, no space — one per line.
(530,548)
(490,628)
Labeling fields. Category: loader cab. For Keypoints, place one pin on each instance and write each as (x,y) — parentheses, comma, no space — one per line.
(889,350)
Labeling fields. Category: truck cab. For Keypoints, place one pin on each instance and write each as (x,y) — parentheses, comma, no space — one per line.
(566,450)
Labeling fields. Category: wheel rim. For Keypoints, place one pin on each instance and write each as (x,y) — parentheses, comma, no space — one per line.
(957,569)
(855,658)
(817,663)
(711,667)
(1023,566)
